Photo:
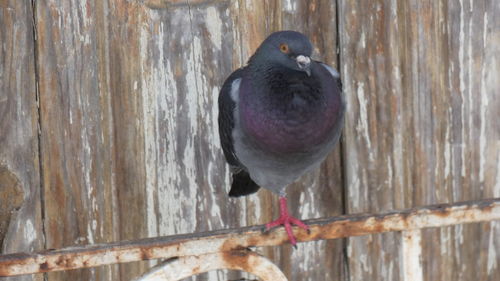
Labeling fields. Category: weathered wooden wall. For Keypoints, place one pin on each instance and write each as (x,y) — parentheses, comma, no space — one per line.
(128,144)
(422,83)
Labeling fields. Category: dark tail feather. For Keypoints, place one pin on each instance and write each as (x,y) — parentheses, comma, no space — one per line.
(242,185)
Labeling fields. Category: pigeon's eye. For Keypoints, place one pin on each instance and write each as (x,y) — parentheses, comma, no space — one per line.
(284,48)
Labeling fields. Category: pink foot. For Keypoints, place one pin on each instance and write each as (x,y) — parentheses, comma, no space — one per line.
(286,220)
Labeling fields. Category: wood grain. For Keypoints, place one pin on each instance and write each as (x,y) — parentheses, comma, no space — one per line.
(422,127)
(129,143)
(76,133)
(20,215)
(184,51)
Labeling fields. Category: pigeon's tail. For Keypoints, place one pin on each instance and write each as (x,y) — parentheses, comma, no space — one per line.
(242,185)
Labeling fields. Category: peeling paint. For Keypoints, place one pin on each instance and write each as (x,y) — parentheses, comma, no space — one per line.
(388,181)
(354,186)
(290,5)
(214,25)
(90,233)
(87,19)
(492,254)
(168,171)
(306,207)
(447,152)
(154,83)
(461,56)
(362,126)
(362,40)
(496,189)
(29,232)
(445,239)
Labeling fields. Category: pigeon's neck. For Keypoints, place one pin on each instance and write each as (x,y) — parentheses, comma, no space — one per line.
(276,78)
(261,71)
(285,87)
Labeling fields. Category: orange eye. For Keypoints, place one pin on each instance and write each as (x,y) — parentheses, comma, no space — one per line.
(284,48)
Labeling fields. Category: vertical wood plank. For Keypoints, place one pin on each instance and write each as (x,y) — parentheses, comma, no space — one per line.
(20,211)
(420,102)
(468,160)
(76,137)
(371,68)
(125,21)
(184,50)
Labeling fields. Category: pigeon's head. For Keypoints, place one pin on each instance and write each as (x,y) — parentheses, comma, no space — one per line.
(288,49)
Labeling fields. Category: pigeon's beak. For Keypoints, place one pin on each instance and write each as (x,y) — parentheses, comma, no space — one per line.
(304,64)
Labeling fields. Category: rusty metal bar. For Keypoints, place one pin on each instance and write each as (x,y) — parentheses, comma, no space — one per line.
(412,255)
(237,239)
(183,267)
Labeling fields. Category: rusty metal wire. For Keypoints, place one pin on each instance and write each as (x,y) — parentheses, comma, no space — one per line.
(180,268)
(198,244)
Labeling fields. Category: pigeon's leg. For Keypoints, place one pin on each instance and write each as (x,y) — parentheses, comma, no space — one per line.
(286,220)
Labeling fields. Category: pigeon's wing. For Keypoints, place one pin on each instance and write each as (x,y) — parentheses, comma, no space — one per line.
(242,183)
(226,118)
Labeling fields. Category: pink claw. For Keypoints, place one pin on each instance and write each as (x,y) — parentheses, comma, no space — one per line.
(286,220)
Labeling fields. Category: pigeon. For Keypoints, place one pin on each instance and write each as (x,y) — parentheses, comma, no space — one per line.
(279,117)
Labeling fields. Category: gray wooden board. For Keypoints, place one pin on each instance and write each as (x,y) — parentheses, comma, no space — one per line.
(422,127)
(20,208)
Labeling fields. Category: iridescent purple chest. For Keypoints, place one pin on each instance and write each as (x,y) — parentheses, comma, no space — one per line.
(288,123)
